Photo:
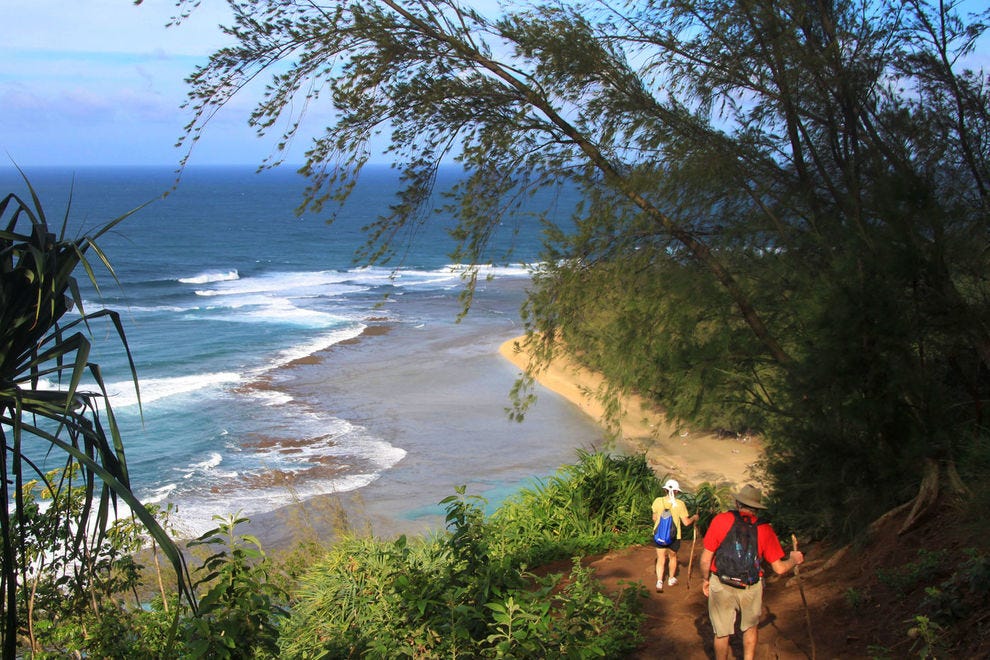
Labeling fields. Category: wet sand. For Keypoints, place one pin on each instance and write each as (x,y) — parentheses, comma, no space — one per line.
(442,395)
(438,391)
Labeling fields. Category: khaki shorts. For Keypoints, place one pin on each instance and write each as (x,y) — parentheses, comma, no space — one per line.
(724,601)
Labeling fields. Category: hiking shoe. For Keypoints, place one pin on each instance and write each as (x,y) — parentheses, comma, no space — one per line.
(672,581)
(659,586)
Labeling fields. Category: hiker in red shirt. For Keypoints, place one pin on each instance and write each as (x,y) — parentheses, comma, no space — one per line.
(734,540)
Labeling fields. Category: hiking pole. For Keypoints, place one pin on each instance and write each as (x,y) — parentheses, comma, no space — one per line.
(807,612)
(691,559)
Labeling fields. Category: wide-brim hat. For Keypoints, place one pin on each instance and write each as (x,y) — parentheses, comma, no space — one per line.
(751,496)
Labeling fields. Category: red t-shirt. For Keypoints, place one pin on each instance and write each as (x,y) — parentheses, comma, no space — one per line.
(767,543)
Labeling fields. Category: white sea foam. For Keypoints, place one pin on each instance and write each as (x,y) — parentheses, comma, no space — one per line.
(318,343)
(451,275)
(336,437)
(159,308)
(519,271)
(196,514)
(270,398)
(282,311)
(159,494)
(207,468)
(154,389)
(213,489)
(95,306)
(328,283)
(282,283)
(345,442)
(211,276)
(122,393)
(214,460)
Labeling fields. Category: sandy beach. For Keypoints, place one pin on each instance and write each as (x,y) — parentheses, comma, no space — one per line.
(441,394)
(688,455)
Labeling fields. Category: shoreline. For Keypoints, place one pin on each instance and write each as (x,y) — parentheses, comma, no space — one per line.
(692,456)
(401,500)
(438,392)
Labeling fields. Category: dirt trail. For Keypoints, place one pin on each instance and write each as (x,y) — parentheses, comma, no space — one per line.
(855,614)
(849,609)
(677,625)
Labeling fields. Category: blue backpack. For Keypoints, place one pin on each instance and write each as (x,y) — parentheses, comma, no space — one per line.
(664,534)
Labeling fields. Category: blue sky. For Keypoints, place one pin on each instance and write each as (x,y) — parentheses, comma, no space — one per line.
(101,82)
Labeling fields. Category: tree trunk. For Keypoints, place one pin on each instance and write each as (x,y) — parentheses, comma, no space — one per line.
(930,489)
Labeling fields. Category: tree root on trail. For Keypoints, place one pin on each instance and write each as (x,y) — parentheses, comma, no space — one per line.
(929,491)
(832,561)
(929,494)
(926,498)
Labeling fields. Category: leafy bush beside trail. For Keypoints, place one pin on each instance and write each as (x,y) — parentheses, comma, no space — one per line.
(467,592)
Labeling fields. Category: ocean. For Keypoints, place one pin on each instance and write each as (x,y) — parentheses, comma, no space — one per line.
(276,373)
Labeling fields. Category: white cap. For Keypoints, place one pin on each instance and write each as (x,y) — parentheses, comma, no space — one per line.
(672,485)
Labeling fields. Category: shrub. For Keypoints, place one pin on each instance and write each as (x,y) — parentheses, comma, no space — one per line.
(600,502)
(240,612)
(465,592)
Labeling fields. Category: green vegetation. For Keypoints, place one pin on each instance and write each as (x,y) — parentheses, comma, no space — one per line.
(511,584)
(919,572)
(466,591)
(600,502)
(783,227)
(241,607)
(942,595)
(62,560)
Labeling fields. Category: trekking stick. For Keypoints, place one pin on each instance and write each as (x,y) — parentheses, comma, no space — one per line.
(807,612)
(691,559)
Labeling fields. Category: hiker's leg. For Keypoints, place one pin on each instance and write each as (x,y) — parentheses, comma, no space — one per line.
(671,558)
(722,648)
(722,613)
(750,637)
(661,561)
(750,609)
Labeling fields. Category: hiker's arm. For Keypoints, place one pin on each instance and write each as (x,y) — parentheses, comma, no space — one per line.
(682,514)
(706,569)
(706,563)
(783,565)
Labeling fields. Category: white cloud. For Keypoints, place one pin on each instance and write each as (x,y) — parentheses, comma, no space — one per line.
(103,81)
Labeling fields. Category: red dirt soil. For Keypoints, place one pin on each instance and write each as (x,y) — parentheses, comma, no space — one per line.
(851,613)
(677,625)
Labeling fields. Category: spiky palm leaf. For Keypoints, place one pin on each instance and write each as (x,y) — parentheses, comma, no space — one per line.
(44,411)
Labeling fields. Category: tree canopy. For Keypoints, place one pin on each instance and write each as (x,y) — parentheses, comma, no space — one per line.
(785,214)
